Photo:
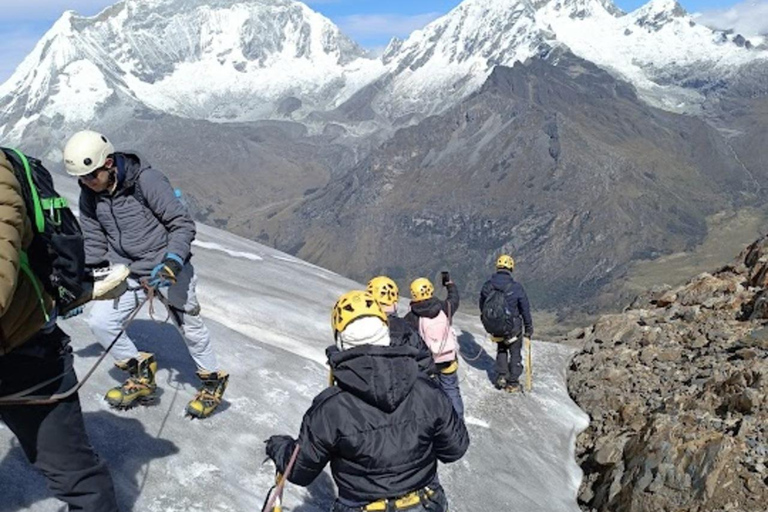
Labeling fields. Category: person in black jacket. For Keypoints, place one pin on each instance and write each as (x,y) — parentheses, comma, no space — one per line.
(386,293)
(437,332)
(509,359)
(383,427)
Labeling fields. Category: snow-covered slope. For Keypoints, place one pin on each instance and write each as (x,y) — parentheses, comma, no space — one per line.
(269,317)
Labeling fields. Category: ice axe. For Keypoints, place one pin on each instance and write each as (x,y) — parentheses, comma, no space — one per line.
(274,501)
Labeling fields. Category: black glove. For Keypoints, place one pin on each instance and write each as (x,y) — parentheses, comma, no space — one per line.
(446,277)
(279,449)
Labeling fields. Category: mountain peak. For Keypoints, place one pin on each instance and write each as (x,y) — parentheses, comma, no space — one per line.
(658,13)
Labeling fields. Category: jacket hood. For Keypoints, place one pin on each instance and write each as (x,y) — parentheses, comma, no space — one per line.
(429,308)
(502,279)
(380,376)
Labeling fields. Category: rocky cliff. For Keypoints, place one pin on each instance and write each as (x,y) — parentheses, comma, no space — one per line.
(677,390)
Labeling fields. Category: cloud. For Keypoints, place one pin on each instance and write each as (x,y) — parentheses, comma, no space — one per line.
(375,26)
(14,46)
(749,18)
(36,10)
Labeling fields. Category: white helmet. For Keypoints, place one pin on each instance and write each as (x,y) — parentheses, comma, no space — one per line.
(85,152)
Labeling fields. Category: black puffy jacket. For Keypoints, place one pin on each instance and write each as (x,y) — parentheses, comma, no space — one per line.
(383,427)
(401,334)
(516,299)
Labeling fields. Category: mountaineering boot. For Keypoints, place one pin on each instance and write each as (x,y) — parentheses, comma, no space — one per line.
(501,382)
(512,387)
(209,395)
(140,386)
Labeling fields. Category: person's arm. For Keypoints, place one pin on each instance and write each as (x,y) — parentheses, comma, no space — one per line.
(486,289)
(451,439)
(13,217)
(452,300)
(525,310)
(315,443)
(161,199)
(95,240)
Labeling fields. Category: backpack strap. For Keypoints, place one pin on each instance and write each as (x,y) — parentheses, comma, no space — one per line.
(36,203)
(37,206)
(26,268)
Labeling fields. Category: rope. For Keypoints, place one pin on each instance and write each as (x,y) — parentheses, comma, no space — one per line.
(277,496)
(24,397)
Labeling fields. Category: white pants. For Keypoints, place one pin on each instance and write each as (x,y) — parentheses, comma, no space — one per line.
(107,318)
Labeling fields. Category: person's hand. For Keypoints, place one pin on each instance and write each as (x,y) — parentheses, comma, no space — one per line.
(73,313)
(167,272)
(279,449)
(446,277)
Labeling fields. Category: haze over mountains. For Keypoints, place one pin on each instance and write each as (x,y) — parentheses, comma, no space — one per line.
(576,136)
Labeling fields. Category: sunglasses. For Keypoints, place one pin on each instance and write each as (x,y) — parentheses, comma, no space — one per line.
(91,175)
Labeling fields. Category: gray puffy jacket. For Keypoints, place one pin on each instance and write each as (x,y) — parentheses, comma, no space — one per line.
(121,228)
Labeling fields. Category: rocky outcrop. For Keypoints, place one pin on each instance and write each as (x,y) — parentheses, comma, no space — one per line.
(677,391)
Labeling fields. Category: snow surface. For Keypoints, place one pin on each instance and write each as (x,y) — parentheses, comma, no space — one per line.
(269,318)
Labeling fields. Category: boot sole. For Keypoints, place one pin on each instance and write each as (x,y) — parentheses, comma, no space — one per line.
(144,400)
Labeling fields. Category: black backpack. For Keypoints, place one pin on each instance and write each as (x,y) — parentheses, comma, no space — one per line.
(497,319)
(57,253)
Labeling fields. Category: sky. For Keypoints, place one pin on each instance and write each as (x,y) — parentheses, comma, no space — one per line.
(372,23)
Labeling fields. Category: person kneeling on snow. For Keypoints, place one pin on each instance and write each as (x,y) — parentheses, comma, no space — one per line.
(432,318)
(383,427)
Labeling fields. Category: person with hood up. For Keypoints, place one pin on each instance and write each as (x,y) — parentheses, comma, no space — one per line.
(130,214)
(432,318)
(387,294)
(383,427)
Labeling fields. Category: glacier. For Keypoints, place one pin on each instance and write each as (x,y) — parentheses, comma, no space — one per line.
(269,316)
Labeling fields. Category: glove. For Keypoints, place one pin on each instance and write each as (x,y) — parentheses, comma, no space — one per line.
(166,273)
(73,313)
(279,449)
(446,277)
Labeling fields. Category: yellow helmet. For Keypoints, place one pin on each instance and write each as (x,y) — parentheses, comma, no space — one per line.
(384,290)
(353,305)
(505,261)
(421,289)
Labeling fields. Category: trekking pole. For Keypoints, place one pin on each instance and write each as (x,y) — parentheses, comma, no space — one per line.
(23,397)
(528,364)
(275,498)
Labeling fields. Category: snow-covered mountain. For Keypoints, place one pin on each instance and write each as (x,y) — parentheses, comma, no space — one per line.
(237,60)
(658,48)
(269,319)
(221,60)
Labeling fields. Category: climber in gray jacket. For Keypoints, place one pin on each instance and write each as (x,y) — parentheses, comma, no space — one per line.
(130,214)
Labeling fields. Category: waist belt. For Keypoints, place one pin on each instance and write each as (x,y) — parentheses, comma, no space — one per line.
(502,339)
(410,500)
(449,368)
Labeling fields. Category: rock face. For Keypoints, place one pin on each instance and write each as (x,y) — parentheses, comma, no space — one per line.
(554,161)
(677,391)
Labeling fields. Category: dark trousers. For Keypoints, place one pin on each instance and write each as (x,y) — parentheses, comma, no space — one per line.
(449,382)
(53,437)
(434,503)
(509,360)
